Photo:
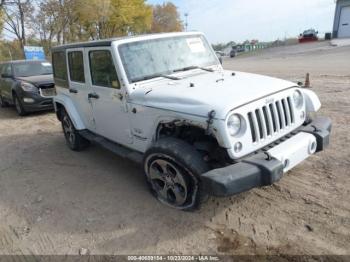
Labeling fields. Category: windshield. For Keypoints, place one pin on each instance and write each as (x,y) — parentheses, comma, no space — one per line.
(155,57)
(309,32)
(32,69)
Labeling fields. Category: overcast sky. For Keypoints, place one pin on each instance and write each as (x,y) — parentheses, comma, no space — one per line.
(239,20)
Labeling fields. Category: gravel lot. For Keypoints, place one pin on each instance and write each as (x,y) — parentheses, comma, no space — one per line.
(55,201)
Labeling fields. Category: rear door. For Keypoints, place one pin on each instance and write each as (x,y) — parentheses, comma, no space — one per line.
(108,97)
(78,87)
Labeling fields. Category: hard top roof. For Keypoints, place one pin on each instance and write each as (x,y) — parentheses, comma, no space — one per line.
(108,42)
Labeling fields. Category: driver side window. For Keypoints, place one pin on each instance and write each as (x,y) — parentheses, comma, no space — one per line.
(103,72)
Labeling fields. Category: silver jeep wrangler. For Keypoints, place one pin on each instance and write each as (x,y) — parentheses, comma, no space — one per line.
(166,102)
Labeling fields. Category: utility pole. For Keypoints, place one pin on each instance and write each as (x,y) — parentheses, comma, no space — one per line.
(186,21)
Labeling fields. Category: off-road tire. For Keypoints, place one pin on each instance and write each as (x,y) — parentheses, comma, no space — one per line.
(184,161)
(73,139)
(19,107)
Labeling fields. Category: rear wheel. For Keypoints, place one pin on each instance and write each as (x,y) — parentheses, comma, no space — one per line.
(173,169)
(73,139)
(19,107)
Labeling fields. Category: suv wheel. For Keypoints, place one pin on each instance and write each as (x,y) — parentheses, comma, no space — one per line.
(19,107)
(173,169)
(74,141)
(2,102)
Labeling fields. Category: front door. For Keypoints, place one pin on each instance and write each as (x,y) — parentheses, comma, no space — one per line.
(7,82)
(344,24)
(108,98)
(78,87)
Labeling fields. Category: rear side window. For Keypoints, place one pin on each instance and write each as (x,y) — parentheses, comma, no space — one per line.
(60,68)
(76,66)
(103,72)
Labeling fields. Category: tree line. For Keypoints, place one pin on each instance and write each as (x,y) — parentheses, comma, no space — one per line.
(54,22)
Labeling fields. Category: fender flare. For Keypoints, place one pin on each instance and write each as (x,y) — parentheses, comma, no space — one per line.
(70,108)
(312,102)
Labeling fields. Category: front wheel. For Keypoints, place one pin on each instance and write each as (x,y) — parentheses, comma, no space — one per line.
(19,107)
(3,103)
(173,169)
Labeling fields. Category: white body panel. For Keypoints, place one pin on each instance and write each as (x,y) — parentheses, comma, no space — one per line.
(130,116)
(312,103)
(80,98)
(295,150)
(219,91)
(109,110)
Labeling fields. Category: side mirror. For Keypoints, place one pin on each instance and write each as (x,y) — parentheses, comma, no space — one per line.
(6,76)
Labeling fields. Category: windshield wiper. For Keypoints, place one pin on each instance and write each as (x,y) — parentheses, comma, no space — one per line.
(159,75)
(194,67)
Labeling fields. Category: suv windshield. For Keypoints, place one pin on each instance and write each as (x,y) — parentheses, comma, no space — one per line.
(309,32)
(144,59)
(32,69)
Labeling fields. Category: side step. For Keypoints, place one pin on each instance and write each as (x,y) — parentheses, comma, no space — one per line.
(117,149)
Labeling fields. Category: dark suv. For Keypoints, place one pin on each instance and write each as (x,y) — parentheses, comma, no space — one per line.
(28,85)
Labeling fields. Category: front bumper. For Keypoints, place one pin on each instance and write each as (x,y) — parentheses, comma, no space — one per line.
(37,102)
(268,167)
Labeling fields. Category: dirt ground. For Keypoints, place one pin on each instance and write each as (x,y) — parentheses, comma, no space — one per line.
(55,201)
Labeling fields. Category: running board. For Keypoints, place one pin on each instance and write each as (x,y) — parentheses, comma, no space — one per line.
(115,148)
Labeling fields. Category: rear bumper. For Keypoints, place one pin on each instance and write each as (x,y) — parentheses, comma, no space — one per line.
(266,168)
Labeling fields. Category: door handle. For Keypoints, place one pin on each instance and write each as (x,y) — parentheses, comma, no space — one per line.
(345,24)
(73,91)
(93,95)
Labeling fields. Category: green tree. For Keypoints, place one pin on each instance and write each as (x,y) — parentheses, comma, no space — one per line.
(108,18)
(10,50)
(166,18)
(16,18)
(46,23)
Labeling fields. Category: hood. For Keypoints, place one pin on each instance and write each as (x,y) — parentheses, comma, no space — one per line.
(199,94)
(37,80)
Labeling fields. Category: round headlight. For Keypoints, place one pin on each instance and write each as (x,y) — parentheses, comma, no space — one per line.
(298,99)
(234,124)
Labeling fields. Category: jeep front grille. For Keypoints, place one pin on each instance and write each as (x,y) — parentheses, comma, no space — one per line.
(271,119)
